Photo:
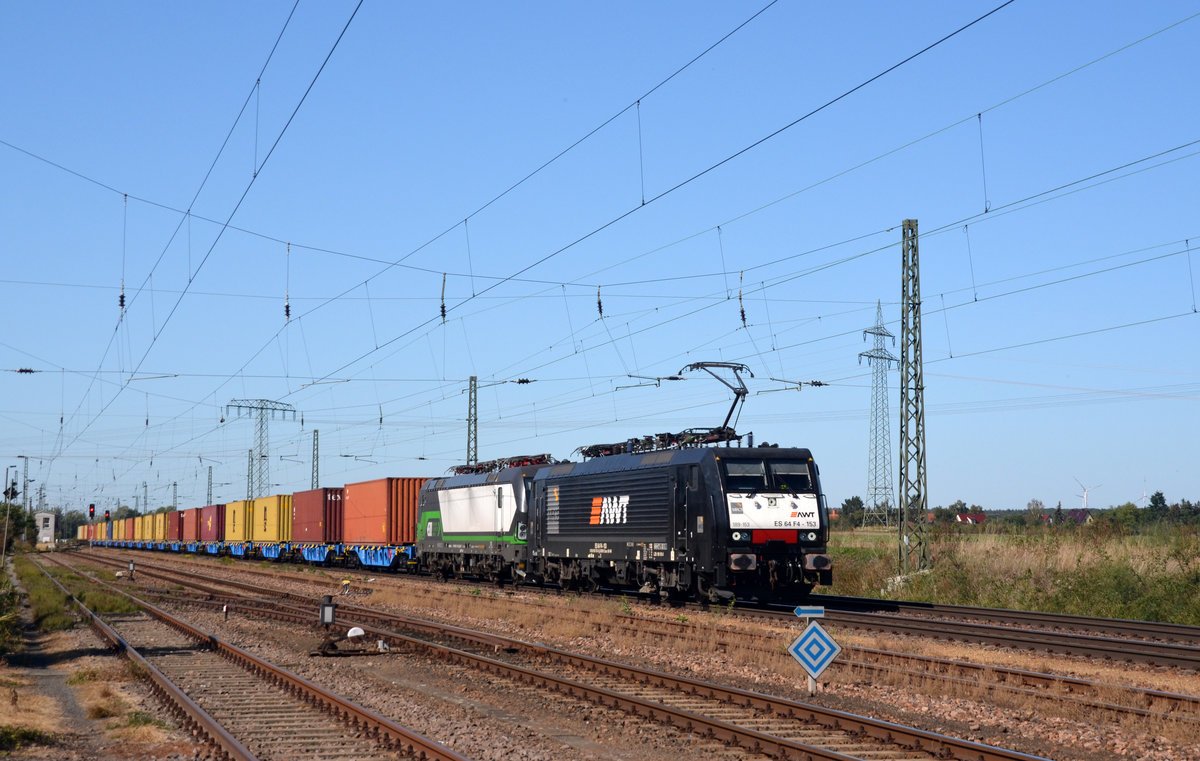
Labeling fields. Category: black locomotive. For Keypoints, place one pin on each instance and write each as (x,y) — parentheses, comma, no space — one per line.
(704,523)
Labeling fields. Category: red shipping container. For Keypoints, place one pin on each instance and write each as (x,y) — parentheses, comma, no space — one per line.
(212,523)
(129,529)
(317,515)
(174,526)
(190,525)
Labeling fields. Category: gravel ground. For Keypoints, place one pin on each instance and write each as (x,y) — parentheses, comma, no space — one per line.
(95,716)
(484,717)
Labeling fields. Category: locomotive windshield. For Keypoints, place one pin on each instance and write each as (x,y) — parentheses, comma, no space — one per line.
(754,476)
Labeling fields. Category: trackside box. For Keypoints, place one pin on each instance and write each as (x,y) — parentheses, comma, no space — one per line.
(212,523)
(189,525)
(380,512)
(237,521)
(271,519)
(317,515)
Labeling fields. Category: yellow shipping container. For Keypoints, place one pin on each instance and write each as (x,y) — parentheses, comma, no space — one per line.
(272,519)
(118,534)
(160,527)
(138,535)
(238,516)
(80,532)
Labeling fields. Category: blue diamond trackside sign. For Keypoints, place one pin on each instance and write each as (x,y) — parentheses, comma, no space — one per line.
(814,649)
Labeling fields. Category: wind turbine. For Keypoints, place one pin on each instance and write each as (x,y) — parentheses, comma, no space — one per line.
(1086,489)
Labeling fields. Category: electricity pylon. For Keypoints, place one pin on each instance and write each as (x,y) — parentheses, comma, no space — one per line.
(914,497)
(258,476)
(473,421)
(880,502)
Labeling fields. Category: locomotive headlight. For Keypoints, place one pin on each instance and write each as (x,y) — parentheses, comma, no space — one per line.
(812,536)
(737,536)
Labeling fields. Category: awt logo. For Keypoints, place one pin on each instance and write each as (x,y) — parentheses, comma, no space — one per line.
(608,510)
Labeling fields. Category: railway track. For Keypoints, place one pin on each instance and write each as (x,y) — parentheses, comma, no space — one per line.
(1108,627)
(248,708)
(1177,654)
(971,678)
(758,723)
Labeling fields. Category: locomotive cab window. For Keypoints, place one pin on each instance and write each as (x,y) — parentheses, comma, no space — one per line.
(745,475)
(790,476)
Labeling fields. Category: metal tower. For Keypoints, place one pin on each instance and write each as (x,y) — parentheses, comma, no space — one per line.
(881,501)
(209,502)
(259,469)
(914,497)
(473,421)
(316,479)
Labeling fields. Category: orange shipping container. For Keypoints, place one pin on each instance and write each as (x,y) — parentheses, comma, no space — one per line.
(272,519)
(404,521)
(237,521)
(130,529)
(380,512)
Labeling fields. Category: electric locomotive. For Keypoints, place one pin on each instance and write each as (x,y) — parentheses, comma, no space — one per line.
(698,523)
(705,523)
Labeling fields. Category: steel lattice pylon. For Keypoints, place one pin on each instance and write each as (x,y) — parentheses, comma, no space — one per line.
(881,502)
(914,497)
(258,469)
(473,421)
(316,468)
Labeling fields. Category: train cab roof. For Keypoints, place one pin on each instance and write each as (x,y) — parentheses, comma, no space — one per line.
(694,456)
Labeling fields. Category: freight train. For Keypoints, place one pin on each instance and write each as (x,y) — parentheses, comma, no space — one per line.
(707,523)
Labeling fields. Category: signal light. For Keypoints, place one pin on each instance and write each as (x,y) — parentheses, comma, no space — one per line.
(91,512)
(105,515)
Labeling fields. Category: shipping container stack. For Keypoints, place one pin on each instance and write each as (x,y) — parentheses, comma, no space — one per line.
(212,528)
(317,524)
(379,521)
(237,527)
(189,528)
(271,526)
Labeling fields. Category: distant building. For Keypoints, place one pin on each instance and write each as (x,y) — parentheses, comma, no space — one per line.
(973,519)
(1079,517)
(47,527)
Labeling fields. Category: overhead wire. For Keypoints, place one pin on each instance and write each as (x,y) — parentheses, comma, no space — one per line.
(723,268)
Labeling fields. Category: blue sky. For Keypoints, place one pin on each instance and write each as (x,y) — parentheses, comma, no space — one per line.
(1048,153)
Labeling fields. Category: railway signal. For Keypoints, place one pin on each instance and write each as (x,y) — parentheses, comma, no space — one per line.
(814,649)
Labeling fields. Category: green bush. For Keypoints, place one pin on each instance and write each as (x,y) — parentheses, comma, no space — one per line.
(12,738)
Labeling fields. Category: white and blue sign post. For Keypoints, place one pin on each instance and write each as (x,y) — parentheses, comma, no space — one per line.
(814,649)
